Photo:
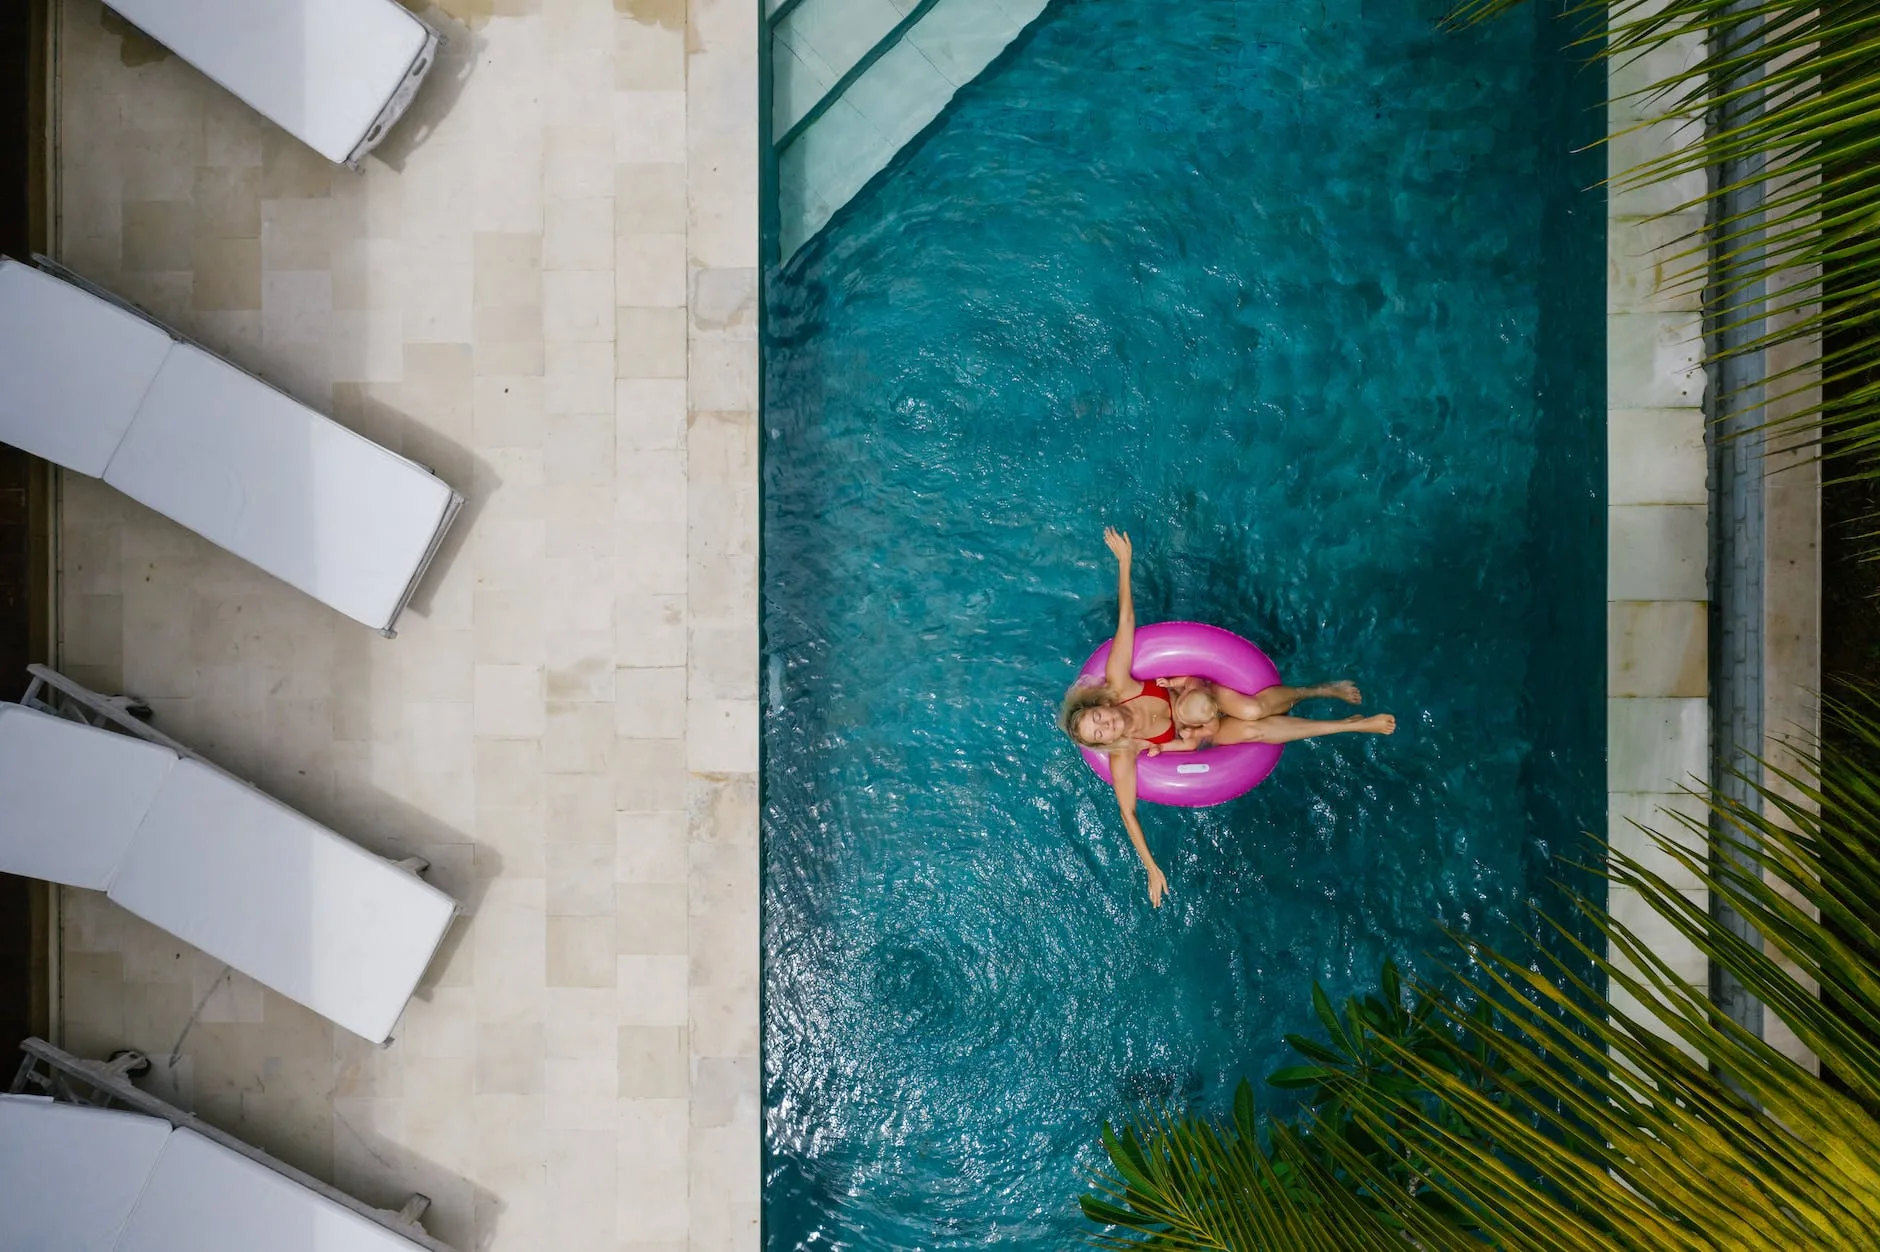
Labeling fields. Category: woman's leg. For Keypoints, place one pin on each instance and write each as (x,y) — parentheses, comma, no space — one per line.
(1278,728)
(1277,700)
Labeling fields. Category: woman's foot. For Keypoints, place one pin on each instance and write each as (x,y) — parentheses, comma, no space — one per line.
(1374,724)
(1343,689)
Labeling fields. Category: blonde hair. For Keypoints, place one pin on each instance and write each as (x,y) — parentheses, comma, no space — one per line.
(1079,700)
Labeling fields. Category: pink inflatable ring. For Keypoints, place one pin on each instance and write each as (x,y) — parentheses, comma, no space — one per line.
(1214,775)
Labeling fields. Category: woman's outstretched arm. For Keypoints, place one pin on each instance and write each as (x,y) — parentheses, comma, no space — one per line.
(1123,772)
(1122,648)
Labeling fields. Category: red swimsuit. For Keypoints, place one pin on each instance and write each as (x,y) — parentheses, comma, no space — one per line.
(1150,687)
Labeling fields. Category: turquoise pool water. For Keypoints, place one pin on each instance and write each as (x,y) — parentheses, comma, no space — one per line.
(1308,297)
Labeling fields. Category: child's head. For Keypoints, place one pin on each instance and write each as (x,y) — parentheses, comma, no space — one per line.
(1196,708)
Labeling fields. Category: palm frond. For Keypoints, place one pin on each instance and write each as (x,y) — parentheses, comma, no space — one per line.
(1788,92)
(1516,1104)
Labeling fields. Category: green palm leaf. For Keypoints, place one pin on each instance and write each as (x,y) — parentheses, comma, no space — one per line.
(1518,1107)
(1799,82)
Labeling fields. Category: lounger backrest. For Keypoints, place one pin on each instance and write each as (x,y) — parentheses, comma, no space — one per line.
(282,898)
(71,796)
(73,368)
(319,69)
(319,507)
(70,1176)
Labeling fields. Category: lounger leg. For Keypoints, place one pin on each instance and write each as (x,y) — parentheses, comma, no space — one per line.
(133,706)
(126,1063)
(415,1209)
(28,1073)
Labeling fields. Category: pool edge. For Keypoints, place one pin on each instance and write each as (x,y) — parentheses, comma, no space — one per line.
(1669,566)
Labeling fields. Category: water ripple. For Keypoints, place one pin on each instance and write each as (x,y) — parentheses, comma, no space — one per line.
(1313,310)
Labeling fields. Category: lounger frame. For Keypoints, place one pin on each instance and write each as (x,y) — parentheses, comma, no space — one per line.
(401,99)
(51,1071)
(54,693)
(451,510)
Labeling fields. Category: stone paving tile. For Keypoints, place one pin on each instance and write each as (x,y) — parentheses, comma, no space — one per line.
(543,284)
(1658,516)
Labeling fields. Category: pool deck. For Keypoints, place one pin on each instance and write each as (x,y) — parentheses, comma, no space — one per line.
(1658,673)
(543,285)
(1662,682)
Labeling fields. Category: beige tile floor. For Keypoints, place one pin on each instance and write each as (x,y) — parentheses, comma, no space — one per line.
(543,286)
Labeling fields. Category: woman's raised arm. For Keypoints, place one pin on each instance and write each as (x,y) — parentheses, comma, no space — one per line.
(1123,772)
(1116,673)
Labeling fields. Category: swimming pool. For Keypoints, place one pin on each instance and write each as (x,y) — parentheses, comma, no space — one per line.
(1308,297)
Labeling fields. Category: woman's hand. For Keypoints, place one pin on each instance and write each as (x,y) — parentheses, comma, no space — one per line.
(1158,885)
(1118,544)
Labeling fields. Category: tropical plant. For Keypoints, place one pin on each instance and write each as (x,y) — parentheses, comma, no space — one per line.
(1360,1055)
(1525,1109)
(1785,99)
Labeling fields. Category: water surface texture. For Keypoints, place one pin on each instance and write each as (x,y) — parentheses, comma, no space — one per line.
(1307,296)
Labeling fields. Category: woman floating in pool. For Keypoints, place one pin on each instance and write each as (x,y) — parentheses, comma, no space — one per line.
(1123,716)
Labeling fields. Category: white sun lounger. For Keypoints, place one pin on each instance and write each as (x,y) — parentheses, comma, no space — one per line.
(335,74)
(78,1175)
(200,853)
(93,385)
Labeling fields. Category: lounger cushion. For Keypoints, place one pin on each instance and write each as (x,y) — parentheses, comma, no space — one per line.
(69,1176)
(99,390)
(76,1179)
(282,898)
(71,796)
(73,368)
(274,482)
(203,1197)
(319,69)
(218,864)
